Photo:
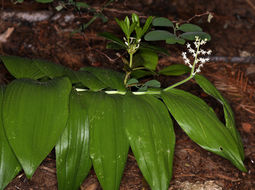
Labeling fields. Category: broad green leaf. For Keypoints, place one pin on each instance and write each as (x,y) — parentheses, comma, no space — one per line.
(89,80)
(9,165)
(35,69)
(174,40)
(112,79)
(108,143)
(153,48)
(72,150)
(175,70)
(158,35)
(149,59)
(210,89)
(22,67)
(141,73)
(150,132)
(192,35)
(162,21)
(201,124)
(34,117)
(113,38)
(190,28)
(50,69)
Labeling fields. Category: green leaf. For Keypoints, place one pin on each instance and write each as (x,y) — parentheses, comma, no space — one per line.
(123,27)
(132,81)
(108,142)
(162,21)
(147,25)
(135,19)
(210,89)
(152,83)
(10,166)
(89,80)
(174,40)
(153,48)
(192,35)
(190,28)
(113,38)
(35,69)
(72,150)
(22,67)
(150,133)
(201,124)
(141,73)
(34,117)
(149,59)
(175,70)
(112,79)
(83,5)
(50,69)
(158,35)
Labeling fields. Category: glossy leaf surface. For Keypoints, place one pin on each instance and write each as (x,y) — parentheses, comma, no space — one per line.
(108,142)
(22,67)
(157,35)
(201,124)
(175,70)
(34,117)
(210,89)
(162,21)
(174,40)
(147,59)
(192,35)
(72,150)
(150,132)
(190,28)
(9,165)
(112,79)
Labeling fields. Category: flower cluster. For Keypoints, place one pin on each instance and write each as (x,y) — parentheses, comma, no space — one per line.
(132,44)
(198,61)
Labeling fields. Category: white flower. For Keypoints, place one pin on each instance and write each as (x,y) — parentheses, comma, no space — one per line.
(199,61)
(209,52)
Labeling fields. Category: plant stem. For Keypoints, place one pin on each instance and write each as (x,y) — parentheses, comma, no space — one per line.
(128,73)
(131,60)
(192,73)
(179,83)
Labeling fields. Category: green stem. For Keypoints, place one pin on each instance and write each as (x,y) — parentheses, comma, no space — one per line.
(126,78)
(131,60)
(179,83)
(128,73)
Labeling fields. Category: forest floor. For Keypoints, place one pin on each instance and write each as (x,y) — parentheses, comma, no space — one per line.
(39,31)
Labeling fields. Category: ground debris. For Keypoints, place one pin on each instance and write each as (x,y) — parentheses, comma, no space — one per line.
(208,185)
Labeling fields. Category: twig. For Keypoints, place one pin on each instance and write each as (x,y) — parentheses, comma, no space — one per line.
(199,15)
(48,169)
(251,4)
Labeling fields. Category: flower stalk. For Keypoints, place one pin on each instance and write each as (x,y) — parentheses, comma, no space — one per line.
(198,62)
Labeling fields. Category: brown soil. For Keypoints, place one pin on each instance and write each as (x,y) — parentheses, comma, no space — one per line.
(232,29)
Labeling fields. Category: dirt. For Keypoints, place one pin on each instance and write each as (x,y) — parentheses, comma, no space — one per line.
(232,29)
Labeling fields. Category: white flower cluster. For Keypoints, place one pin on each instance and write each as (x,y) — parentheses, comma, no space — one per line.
(132,44)
(198,61)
